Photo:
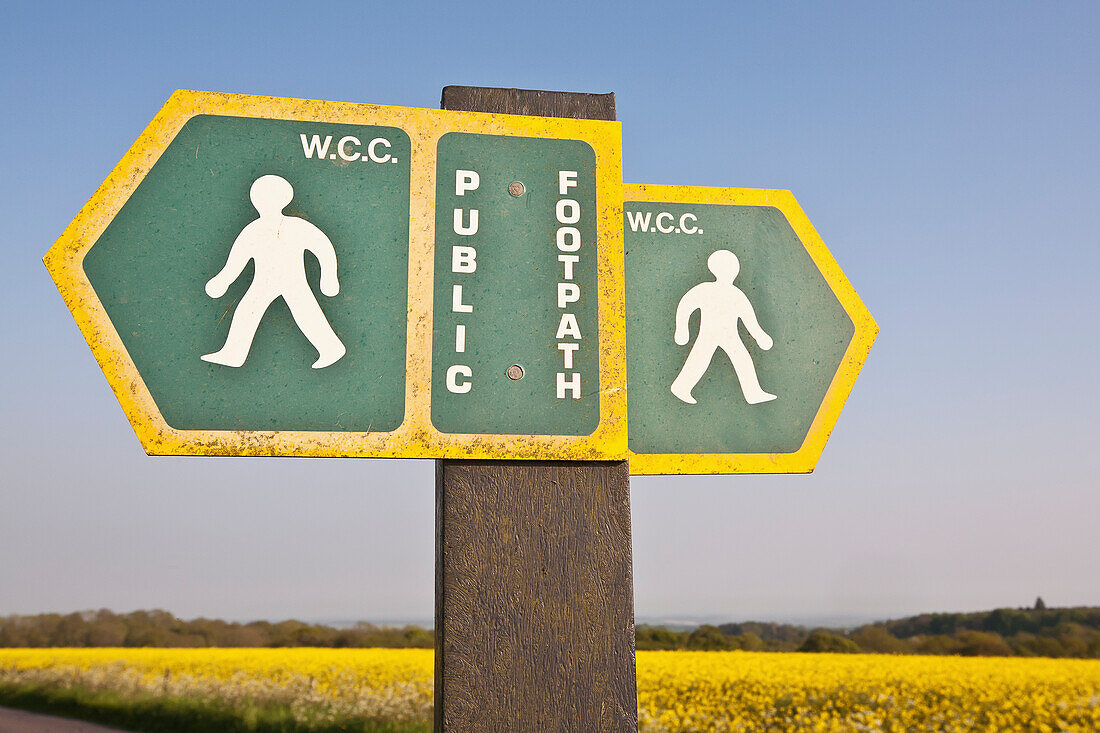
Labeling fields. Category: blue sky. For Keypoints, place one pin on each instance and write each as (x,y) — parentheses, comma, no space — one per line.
(946,152)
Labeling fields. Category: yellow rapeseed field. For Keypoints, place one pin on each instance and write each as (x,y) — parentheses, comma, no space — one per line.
(745,691)
(318,684)
(677,691)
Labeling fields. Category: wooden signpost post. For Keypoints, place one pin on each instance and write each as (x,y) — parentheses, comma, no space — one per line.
(534,585)
(279,277)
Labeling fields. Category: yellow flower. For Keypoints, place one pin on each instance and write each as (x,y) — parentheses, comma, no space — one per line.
(677,691)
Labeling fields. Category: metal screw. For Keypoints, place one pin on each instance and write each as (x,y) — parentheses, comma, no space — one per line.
(515,372)
(516,189)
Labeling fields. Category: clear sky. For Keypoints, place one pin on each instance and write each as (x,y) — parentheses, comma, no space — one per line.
(948,154)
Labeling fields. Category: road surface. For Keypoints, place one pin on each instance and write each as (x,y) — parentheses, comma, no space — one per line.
(17,721)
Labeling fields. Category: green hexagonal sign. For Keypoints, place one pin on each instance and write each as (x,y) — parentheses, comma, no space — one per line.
(743,337)
(200,216)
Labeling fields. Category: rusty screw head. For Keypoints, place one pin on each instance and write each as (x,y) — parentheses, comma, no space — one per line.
(515,372)
(516,189)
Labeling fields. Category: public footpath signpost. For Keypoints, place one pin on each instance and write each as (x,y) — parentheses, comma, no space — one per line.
(276,277)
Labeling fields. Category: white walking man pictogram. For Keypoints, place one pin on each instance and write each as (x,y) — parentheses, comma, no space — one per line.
(720,304)
(277,244)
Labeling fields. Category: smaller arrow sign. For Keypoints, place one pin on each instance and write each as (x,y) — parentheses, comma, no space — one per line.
(744,338)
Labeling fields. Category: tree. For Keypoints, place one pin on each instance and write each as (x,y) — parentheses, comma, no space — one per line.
(875,638)
(708,638)
(750,642)
(982,644)
(1007,621)
(658,637)
(1039,605)
(823,641)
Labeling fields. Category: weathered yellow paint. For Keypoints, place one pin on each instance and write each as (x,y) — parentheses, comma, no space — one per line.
(415,437)
(805,458)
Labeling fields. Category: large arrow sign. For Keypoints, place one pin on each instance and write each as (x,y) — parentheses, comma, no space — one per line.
(265,276)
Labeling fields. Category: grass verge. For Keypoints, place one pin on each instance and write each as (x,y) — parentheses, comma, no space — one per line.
(149,714)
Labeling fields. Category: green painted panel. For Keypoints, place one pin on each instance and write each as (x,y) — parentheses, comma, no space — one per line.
(513,292)
(792,303)
(176,231)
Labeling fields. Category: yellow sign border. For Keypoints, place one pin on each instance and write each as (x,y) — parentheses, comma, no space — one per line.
(805,458)
(416,437)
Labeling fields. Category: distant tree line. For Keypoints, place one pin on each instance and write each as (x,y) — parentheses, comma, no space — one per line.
(162,629)
(1037,631)
(1032,632)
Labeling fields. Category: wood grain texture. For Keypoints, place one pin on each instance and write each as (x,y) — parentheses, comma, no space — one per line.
(534,597)
(574,105)
(534,579)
